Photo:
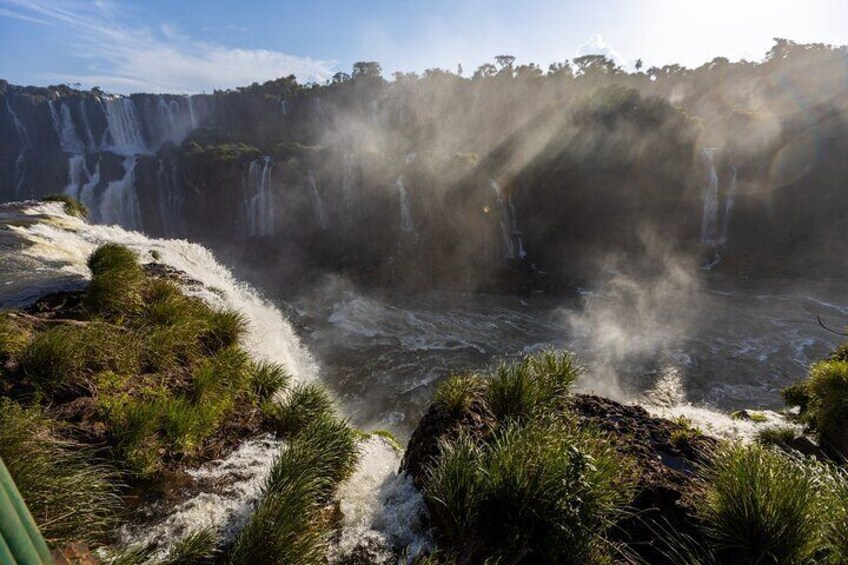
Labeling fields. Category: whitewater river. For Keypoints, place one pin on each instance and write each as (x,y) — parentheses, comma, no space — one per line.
(684,343)
(731,345)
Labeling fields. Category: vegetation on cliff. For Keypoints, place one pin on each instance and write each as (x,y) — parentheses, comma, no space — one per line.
(133,377)
(515,467)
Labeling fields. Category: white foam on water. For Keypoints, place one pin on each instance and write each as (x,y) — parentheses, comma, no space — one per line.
(241,476)
(667,400)
(379,504)
(69,241)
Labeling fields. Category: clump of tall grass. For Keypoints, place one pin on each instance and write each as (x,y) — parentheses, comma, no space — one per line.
(71,496)
(455,394)
(267,379)
(72,206)
(14,337)
(836,518)
(539,381)
(541,489)
(305,403)
(454,489)
(291,524)
(117,277)
(65,357)
(761,505)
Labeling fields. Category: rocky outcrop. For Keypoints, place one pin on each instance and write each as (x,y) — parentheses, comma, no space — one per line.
(666,455)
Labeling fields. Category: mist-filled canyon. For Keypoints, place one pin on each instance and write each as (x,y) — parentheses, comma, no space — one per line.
(681,231)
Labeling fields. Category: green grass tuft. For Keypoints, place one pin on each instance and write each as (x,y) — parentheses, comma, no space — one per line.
(291,524)
(455,394)
(73,207)
(761,506)
(71,496)
(454,488)
(267,379)
(196,548)
(307,402)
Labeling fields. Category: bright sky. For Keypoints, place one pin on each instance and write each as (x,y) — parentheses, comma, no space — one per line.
(196,46)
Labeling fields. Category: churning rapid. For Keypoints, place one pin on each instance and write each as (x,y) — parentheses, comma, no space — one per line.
(44,250)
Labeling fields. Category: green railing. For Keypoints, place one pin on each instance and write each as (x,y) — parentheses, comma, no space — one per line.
(20,541)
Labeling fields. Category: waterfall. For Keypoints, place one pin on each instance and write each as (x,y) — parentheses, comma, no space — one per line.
(119,203)
(87,192)
(257,217)
(405,213)
(76,168)
(317,203)
(90,144)
(509,250)
(284,106)
(124,127)
(174,120)
(63,123)
(729,197)
(709,220)
(20,172)
(191,113)
(20,162)
(170,199)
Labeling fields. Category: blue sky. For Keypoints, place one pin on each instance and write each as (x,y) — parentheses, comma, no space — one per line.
(196,46)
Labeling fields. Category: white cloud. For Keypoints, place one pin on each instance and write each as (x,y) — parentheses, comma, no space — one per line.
(597,46)
(122,57)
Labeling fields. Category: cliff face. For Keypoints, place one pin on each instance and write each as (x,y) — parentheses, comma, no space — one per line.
(493,179)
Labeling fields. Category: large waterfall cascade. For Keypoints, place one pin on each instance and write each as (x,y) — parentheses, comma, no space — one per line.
(512,237)
(317,202)
(257,214)
(405,209)
(119,202)
(715,221)
(170,201)
(23,137)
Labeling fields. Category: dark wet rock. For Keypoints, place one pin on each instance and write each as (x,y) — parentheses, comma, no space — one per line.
(59,305)
(163,271)
(437,424)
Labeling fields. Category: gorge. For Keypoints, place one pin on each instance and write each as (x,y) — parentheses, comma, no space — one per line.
(679,230)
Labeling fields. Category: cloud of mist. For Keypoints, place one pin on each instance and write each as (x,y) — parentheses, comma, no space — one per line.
(125,57)
(640,309)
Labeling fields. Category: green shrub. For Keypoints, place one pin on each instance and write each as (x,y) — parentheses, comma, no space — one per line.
(307,402)
(828,386)
(73,207)
(552,490)
(797,394)
(760,506)
(454,489)
(455,394)
(70,495)
(266,379)
(135,424)
(285,529)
